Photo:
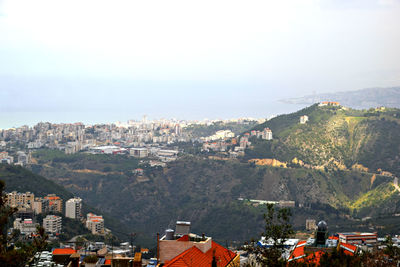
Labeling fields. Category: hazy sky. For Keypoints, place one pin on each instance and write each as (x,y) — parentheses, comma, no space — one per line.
(65,60)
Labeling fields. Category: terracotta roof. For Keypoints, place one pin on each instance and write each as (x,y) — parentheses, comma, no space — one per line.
(299,255)
(63,251)
(298,251)
(195,257)
(348,248)
(52,198)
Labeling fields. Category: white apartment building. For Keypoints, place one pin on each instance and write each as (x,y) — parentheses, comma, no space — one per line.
(52,224)
(95,223)
(267,134)
(73,208)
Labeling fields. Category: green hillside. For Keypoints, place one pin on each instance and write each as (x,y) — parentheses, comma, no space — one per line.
(334,137)
(206,193)
(21,179)
(341,175)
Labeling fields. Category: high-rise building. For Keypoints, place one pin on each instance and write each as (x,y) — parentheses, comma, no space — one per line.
(52,224)
(73,208)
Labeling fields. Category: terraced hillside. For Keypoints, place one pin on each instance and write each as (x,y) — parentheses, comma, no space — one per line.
(336,138)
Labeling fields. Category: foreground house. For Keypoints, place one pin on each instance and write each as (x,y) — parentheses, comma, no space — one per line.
(182,248)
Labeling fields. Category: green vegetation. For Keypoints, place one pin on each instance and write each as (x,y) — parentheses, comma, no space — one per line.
(22,180)
(82,161)
(277,230)
(206,191)
(340,152)
(334,138)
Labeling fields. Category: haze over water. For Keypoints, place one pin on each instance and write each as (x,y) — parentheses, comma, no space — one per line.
(100,61)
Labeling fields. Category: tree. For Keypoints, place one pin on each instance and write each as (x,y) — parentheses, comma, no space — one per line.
(9,255)
(277,232)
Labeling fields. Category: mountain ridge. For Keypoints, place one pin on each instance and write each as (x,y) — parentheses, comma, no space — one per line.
(357,99)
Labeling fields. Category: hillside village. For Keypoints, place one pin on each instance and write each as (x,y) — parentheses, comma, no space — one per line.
(176,247)
(156,157)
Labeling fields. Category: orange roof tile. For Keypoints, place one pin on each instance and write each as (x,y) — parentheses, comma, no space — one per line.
(298,251)
(52,198)
(63,251)
(195,257)
(348,249)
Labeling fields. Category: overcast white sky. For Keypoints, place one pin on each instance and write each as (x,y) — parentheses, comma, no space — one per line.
(190,58)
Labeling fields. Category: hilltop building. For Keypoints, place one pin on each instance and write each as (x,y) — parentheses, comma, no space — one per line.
(328,103)
(267,134)
(182,248)
(303,119)
(73,208)
(52,224)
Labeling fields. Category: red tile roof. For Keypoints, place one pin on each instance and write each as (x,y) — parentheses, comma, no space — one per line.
(63,251)
(299,255)
(195,257)
(298,251)
(348,249)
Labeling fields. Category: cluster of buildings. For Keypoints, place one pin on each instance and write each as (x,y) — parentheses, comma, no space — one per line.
(280,203)
(222,134)
(21,158)
(74,137)
(141,139)
(310,251)
(28,206)
(224,141)
(177,247)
